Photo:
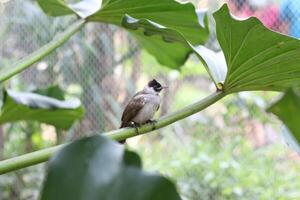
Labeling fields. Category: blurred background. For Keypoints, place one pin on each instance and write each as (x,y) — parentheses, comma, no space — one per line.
(232,150)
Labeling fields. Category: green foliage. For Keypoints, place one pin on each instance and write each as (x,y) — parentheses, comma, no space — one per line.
(34,107)
(257,58)
(162,12)
(172,37)
(215,164)
(288,109)
(253,56)
(173,50)
(102,169)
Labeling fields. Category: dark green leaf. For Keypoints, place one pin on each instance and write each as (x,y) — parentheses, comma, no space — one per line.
(34,107)
(257,58)
(288,109)
(97,168)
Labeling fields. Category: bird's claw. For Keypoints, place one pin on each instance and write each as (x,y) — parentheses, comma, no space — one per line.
(153,122)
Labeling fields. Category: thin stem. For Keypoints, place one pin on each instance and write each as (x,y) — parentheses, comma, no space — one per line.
(58,40)
(120,134)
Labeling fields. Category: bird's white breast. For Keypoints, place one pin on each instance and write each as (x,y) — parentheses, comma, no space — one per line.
(152,103)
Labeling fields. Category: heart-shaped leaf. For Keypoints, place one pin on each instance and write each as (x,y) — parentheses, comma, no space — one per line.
(97,168)
(287,109)
(256,57)
(35,107)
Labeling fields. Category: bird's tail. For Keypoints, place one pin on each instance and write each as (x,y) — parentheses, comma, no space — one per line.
(123,125)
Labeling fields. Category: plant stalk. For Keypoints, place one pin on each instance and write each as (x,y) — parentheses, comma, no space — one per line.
(120,134)
(24,63)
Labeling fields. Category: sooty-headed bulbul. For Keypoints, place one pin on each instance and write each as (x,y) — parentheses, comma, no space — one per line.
(143,105)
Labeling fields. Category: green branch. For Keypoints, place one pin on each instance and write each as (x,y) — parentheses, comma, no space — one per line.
(58,40)
(120,134)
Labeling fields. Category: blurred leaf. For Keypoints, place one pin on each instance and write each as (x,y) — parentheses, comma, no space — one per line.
(53,91)
(34,107)
(257,58)
(83,8)
(101,169)
(288,109)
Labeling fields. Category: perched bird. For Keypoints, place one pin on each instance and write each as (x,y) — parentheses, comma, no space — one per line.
(143,105)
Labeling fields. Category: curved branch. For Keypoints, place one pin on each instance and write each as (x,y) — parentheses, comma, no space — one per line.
(120,134)
(58,40)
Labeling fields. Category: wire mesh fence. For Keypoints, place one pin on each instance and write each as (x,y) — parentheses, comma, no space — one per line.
(104,66)
(91,65)
(87,66)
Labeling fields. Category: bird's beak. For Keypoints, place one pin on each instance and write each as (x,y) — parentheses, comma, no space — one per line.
(165,87)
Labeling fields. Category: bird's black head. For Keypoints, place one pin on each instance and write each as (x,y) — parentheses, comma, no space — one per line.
(155,85)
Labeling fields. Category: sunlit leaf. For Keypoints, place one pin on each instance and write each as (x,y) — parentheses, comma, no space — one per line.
(97,168)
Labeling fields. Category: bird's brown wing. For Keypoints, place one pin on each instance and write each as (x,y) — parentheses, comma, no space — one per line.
(132,109)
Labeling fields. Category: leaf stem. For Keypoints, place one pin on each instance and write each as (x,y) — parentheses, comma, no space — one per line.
(24,63)
(120,134)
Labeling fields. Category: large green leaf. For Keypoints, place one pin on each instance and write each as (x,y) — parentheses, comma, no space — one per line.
(163,14)
(97,168)
(176,41)
(168,13)
(256,57)
(288,109)
(35,107)
(159,41)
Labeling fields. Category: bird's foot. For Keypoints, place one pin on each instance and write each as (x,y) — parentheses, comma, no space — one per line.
(153,122)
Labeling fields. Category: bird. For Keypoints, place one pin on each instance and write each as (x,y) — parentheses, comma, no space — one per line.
(142,106)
